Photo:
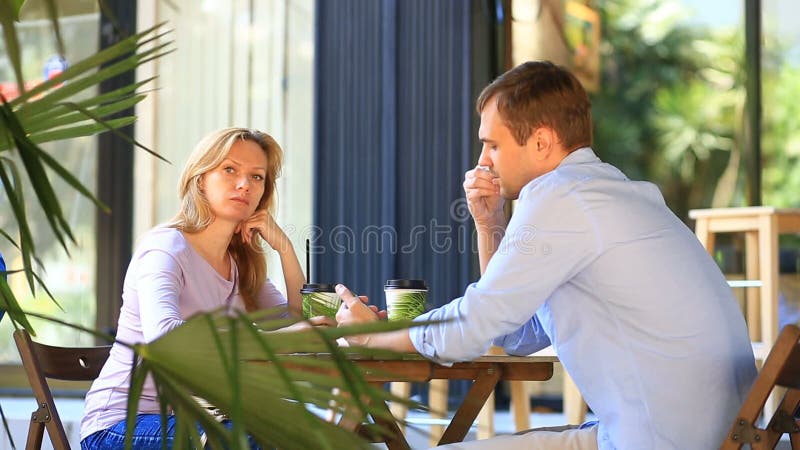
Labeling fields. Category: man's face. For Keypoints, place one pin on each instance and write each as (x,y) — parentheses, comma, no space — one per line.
(514,164)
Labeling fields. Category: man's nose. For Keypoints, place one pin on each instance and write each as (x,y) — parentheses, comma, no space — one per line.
(483,159)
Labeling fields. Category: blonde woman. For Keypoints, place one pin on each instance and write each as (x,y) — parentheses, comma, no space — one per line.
(207,257)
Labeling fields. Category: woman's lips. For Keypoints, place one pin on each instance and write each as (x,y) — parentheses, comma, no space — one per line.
(241,200)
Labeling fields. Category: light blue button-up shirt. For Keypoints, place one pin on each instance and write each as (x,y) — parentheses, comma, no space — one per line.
(637,311)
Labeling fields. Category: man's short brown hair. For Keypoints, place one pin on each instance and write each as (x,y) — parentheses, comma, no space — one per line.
(540,93)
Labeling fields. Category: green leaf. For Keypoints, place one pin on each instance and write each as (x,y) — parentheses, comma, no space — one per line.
(3,233)
(121,48)
(9,303)
(109,97)
(9,12)
(39,179)
(14,193)
(7,429)
(113,129)
(80,130)
(16,6)
(78,85)
(135,389)
(52,12)
(267,407)
(69,178)
(69,113)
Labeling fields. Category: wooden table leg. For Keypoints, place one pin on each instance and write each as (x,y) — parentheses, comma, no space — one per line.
(704,234)
(575,408)
(399,410)
(486,419)
(520,405)
(396,440)
(474,401)
(437,401)
(353,420)
(752,295)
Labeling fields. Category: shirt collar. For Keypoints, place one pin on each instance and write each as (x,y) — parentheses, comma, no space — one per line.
(582,155)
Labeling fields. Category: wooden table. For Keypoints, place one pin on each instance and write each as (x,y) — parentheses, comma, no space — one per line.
(485,371)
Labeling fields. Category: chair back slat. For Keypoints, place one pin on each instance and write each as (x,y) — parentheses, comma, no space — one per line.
(789,375)
(781,369)
(73,364)
(63,363)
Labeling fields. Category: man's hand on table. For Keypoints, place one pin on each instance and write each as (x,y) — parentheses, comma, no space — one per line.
(355,310)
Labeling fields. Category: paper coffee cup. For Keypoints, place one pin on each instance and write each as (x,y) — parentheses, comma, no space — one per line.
(320,299)
(405,299)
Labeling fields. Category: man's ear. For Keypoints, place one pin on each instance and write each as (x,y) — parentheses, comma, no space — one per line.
(543,139)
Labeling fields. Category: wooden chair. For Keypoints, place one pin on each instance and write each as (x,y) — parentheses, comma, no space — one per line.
(61,363)
(781,368)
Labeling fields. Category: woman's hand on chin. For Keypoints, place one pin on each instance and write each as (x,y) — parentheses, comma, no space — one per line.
(264,224)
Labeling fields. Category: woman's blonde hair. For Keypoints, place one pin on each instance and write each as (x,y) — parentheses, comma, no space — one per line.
(195,214)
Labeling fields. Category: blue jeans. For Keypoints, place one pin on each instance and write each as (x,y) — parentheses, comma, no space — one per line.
(146,435)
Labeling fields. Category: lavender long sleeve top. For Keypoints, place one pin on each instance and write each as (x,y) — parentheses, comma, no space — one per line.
(167,282)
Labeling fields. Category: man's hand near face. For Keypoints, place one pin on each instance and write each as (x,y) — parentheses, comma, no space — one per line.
(482,190)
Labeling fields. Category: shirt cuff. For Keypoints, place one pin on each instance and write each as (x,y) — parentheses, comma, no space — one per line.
(420,340)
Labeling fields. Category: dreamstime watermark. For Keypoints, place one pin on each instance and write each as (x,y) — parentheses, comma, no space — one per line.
(437,236)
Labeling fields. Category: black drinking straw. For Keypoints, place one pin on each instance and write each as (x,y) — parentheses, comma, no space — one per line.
(308,267)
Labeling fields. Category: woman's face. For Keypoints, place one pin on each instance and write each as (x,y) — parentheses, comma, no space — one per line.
(234,188)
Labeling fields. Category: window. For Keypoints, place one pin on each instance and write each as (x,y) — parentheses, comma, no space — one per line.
(71,278)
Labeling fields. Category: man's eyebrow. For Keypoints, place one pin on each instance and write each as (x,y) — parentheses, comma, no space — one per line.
(487,140)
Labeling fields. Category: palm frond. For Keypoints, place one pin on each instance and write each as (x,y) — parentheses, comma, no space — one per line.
(9,304)
(12,185)
(52,13)
(249,374)
(51,112)
(7,429)
(9,13)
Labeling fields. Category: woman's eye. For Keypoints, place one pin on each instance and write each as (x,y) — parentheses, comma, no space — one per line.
(258,177)
(228,169)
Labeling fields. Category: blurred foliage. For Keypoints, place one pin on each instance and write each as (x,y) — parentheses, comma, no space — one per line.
(671,107)
(781,138)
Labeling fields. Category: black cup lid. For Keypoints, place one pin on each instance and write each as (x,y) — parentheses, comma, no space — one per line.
(405,284)
(317,287)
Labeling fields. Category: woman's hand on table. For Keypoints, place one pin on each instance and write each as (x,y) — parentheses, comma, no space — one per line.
(318,321)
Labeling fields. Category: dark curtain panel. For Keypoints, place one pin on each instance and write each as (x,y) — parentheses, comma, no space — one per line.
(394,135)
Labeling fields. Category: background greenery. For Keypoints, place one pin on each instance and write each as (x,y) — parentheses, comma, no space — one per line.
(670,107)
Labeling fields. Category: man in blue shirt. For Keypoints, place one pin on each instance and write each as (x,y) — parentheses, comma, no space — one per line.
(594,264)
